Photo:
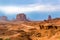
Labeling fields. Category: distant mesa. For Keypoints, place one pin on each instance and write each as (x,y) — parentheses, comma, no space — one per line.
(3,18)
(21,17)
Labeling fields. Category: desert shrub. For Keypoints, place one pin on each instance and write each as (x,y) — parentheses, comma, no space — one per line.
(23,37)
(7,39)
(56,27)
(41,26)
(32,32)
(19,31)
(38,35)
(49,27)
(1,38)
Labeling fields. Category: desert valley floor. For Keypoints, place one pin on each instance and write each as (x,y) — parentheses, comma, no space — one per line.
(33,30)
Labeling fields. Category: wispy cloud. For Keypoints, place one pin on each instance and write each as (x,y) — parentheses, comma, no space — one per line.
(52,2)
(29,8)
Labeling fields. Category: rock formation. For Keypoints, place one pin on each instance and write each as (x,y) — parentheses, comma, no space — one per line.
(21,17)
(3,18)
(49,17)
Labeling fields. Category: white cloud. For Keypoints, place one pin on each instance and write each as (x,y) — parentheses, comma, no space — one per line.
(28,8)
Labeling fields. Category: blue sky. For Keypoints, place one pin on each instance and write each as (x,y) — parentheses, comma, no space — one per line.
(34,9)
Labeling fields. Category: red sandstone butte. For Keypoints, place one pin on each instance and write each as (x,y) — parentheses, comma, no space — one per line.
(21,17)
